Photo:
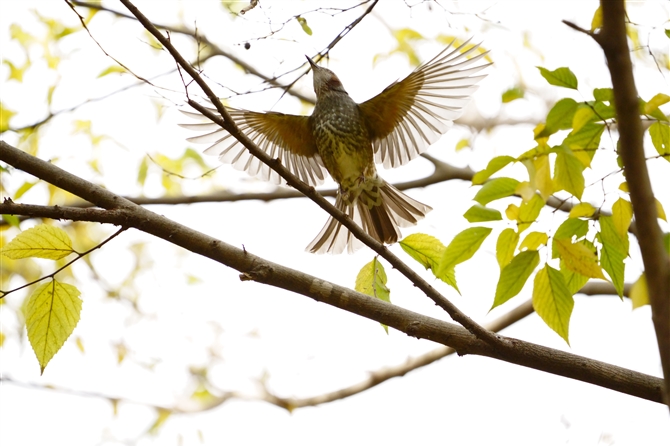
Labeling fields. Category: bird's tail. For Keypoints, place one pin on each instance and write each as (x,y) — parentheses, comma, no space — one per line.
(389,210)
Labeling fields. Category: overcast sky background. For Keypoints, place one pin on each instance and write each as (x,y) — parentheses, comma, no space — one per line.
(305,348)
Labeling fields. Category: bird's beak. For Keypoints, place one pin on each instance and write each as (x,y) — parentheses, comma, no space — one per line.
(311,62)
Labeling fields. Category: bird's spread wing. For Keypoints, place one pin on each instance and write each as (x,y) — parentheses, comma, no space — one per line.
(409,115)
(287,137)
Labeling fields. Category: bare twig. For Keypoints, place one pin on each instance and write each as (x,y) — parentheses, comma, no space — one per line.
(4,293)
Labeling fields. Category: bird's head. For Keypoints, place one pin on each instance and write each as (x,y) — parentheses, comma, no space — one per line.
(325,81)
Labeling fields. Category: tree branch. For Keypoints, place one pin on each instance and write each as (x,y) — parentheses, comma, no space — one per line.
(266,272)
(613,40)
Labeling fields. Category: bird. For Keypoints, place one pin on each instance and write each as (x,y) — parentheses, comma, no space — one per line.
(347,139)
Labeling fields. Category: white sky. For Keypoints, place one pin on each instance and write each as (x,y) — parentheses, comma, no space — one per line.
(303,347)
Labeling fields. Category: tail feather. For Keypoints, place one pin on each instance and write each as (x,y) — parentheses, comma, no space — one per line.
(381,221)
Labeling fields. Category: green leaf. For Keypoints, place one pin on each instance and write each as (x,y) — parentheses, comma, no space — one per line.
(529,211)
(667,33)
(478,213)
(572,227)
(428,251)
(371,280)
(603,94)
(560,117)
(553,301)
(462,247)
(579,258)
(506,245)
(511,94)
(660,138)
(11,220)
(495,165)
(603,111)
(495,189)
(53,312)
(568,173)
(533,240)
(305,27)
(514,276)
(615,250)
(561,77)
(42,241)
(585,142)
(582,209)
(639,293)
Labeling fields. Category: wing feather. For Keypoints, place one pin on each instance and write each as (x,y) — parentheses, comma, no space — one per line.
(287,137)
(409,115)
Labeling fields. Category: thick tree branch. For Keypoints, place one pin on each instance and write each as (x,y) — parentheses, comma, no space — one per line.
(266,272)
(613,40)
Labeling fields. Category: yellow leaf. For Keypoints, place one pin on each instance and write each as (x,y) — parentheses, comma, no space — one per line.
(542,178)
(52,313)
(622,213)
(161,418)
(525,190)
(41,241)
(552,300)
(534,240)
(624,187)
(529,211)
(568,173)
(462,144)
(371,280)
(639,293)
(654,103)
(583,116)
(506,246)
(5,116)
(660,211)
(579,258)
(80,344)
(597,20)
(512,212)
(582,210)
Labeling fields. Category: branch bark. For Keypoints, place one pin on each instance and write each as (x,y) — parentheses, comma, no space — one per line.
(254,268)
(613,40)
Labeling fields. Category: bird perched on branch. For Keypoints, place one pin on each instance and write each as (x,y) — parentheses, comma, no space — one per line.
(346,139)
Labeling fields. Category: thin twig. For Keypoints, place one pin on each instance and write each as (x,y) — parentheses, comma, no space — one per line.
(52,275)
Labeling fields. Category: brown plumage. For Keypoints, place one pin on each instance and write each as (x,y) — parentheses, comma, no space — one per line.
(346,139)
